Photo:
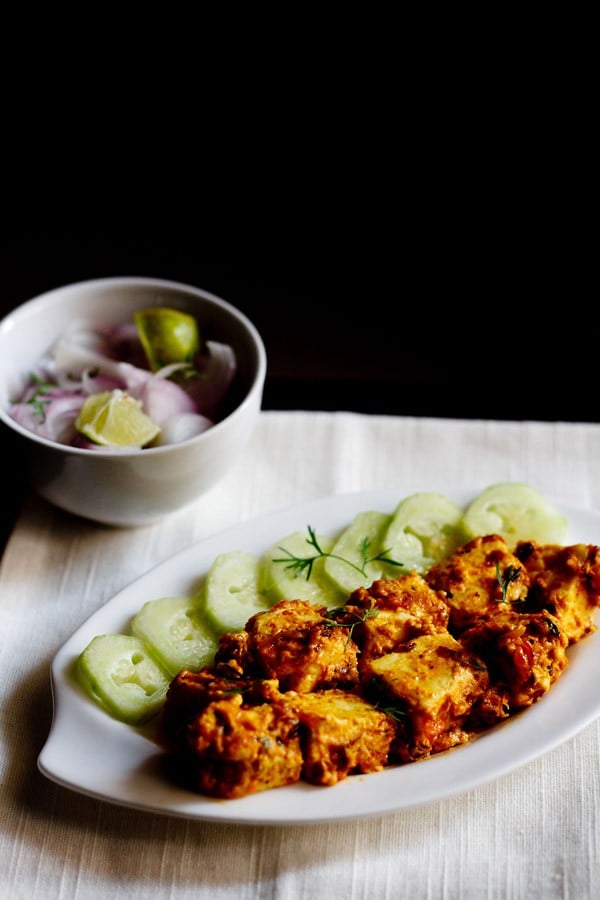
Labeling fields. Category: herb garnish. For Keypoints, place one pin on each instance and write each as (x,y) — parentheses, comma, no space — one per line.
(356,619)
(394,712)
(188,371)
(39,405)
(476,664)
(511,573)
(300,564)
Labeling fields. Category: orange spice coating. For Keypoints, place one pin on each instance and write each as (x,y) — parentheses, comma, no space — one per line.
(434,682)
(408,667)
(298,643)
(341,734)
(391,612)
(524,653)
(566,582)
(469,580)
(239,749)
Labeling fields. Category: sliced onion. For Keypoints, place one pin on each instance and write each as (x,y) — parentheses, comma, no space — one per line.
(125,344)
(88,360)
(85,335)
(93,382)
(214,378)
(182,428)
(71,359)
(163,400)
(58,421)
(60,417)
(169,370)
(133,379)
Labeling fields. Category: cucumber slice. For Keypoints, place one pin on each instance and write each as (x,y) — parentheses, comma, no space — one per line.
(118,672)
(362,540)
(280,581)
(231,592)
(425,528)
(176,633)
(517,512)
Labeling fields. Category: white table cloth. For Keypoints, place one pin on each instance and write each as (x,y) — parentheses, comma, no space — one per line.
(534,833)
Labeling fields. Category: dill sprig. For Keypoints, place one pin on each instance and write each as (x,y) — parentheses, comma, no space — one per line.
(354,618)
(476,664)
(394,712)
(299,565)
(506,578)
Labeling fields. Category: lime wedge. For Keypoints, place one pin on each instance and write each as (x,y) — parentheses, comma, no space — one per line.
(115,419)
(167,336)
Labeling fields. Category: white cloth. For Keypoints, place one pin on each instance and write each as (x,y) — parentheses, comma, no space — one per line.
(534,833)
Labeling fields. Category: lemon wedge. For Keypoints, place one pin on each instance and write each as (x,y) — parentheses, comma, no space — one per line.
(116,419)
(167,335)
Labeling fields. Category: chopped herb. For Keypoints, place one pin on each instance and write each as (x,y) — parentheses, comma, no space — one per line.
(300,564)
(39,405)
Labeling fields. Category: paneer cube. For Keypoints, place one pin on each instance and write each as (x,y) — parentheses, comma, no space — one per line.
(524,653)
(341,734)
(393,611)
(232,750)
(566,582)
(191,692)
(297,643)
(431,684)
(477,577)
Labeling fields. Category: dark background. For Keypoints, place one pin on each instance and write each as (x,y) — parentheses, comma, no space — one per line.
(404,217)
(449,275)
(454,325)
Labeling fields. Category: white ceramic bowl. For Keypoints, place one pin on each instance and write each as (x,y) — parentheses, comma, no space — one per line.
(141,487)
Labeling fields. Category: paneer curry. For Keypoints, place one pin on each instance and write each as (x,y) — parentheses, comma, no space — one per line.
(406,668)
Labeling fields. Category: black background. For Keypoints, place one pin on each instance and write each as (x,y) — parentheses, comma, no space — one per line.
(440,272)
(446,324)
(407,218)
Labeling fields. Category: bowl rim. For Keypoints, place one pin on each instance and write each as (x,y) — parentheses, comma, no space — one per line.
(256,386)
